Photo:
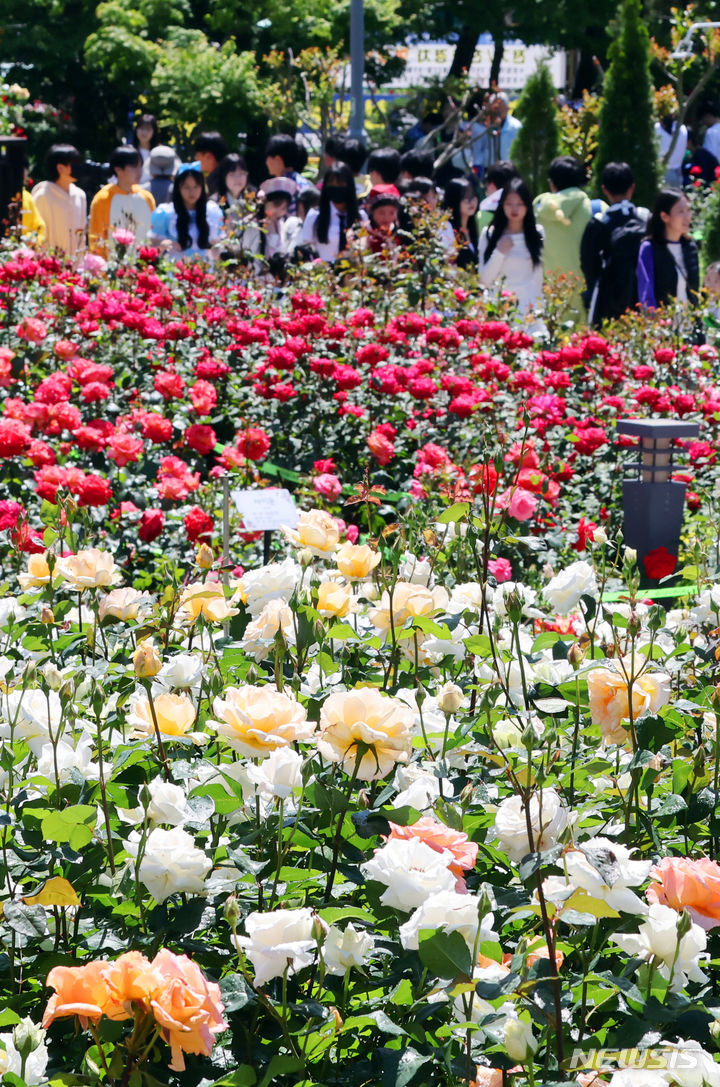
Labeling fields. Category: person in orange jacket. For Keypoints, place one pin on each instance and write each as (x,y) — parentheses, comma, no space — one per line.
(121,204)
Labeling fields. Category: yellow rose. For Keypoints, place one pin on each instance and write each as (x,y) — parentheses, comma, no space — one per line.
(356,561)
(382,725)
(146,661)
(206,598)
(204,557)
(334,599)
(317,531)
(122,604)
(88,569)
(409,601)
(38,572)
(609,704)
(257,720)
(175,715)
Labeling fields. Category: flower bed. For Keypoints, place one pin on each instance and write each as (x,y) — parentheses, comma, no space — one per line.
(429,798)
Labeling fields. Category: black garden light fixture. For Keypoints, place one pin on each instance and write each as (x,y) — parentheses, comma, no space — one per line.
(653,502)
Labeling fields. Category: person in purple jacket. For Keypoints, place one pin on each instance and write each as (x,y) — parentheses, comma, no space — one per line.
(667,267)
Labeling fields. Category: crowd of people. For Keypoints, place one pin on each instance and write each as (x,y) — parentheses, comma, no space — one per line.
(613,253)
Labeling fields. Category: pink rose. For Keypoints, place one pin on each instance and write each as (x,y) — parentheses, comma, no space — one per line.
(500,569)
(328,485)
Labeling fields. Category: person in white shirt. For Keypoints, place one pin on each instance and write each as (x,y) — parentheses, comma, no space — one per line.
(665,132)
(145,137)
(60,202)
(328,229)
(191,224)
(711,142)
(511,247)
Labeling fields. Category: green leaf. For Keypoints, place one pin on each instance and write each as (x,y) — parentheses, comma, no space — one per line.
(244,1076)
(234,992)
(445,954)
(26,921)
(454,513)
(73,825)
(399,1067)
(280,1066)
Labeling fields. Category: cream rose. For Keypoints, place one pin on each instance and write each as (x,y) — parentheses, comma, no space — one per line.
(368,725)
(356,561)
(334,599)
(123,604)
(88,569)
(317,531)
(610,704)
(37,574)
(256,720)
(175,715)
(206,598)
(408,601)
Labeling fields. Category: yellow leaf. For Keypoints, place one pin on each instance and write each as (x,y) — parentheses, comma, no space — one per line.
(56,892)
(585,903)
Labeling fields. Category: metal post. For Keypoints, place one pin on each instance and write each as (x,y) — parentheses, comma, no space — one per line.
(357,68)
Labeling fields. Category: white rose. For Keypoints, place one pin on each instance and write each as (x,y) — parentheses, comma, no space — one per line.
(344,949)
(170,863)
(584,876)
(415,570)
(520,1041)
(124,604)
(548,819)
(657,938)
(168,803)
(411,871)
(279,775)
(451,698)
(564,591)
(11,609)
(279,941)
(451,912)
(259,636)
(68,757)
(418,788)
(35,1062)
(468,596)
(527,595)
(181,672)
(638,1077)
(34,714)
(275,581)
(691,1065)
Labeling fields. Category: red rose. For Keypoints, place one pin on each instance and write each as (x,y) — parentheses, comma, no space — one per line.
(659,563)
(9,514)
(253,443)
(204,397)
(156,427)
(125,449)
(93,490)
(14,437)
(151,525)
(201,438)
(381,447)
(169,384)
(32,330)
(197,524)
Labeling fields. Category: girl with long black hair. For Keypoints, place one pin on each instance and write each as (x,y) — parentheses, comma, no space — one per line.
(145,137)
(190,223)
(667,267)
(511,247)
(327,228)
(461,200)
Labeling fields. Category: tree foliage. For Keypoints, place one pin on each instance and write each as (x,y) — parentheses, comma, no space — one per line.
(536,144)
(627,116)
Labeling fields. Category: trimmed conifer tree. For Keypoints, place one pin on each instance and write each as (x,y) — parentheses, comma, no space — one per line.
(537,142)
(627,115)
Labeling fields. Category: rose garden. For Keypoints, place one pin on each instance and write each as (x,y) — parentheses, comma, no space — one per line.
(420,789)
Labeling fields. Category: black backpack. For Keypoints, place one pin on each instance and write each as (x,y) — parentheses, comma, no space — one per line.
(619,246)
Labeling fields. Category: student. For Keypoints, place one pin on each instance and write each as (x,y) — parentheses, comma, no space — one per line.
(563,213)
(62,205)
(354,154)
(232,181)
(383,166)
(496,178)
(610,247)
(667,267)
(511,247)
(145,137)
(31,222)
(270,239)
(383,209)
(462,202)
(122,203)
(190,224)
(700,164)
(307,200)
(163,164)
(665,131)
(283,159)
(210,149)
(416,163)
(328,230)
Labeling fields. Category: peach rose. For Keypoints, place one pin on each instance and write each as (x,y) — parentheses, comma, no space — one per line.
(440,837)
(317,531)
(682,883)
(38,572)
(487,1077)
(538,949)
(408,601)
(132,977)
(175,715)
(206,598)
(356,561)
(83,991)
(609,705)
(187,1007)
(334,599)
(382,725)
(257,720)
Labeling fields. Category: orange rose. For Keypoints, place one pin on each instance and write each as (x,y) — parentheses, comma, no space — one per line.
(186,1006)
(682,883)
(487,1077)
(440,837)
(132,977)
(609,703)
(538,949)
(83,991)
